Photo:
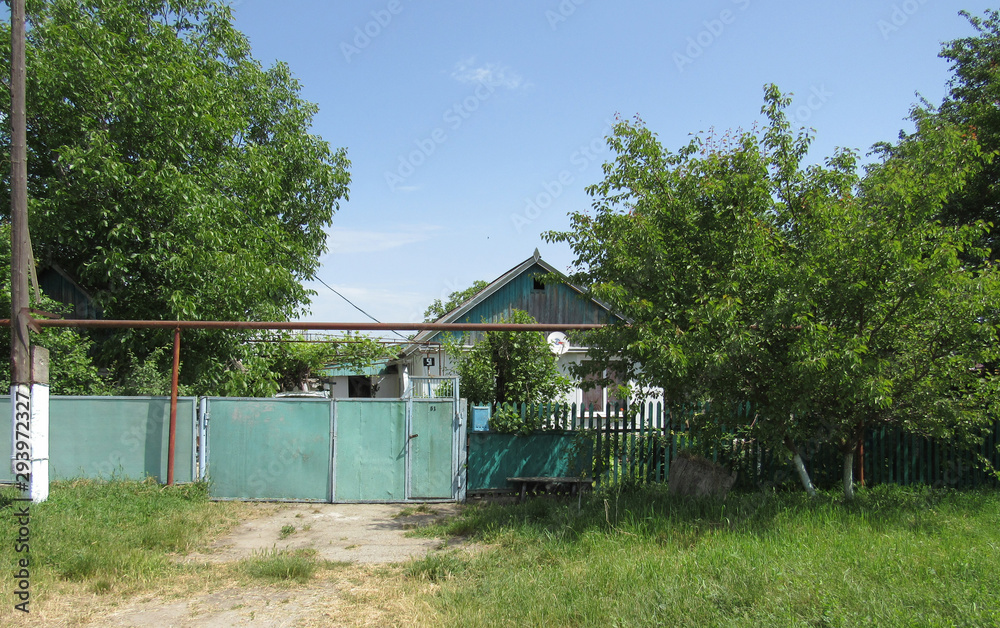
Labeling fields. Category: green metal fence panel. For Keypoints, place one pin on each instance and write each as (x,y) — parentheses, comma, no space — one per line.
(370,450)
(431,447)
(495,457)
(639,443)
(105,437)
(269,449)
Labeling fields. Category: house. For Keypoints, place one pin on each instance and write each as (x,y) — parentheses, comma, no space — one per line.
(522,288)
(379,381)
(56,284)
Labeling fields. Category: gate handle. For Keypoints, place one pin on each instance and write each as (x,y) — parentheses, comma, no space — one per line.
(414,435)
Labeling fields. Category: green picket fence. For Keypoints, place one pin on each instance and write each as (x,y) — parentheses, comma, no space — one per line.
(636,444)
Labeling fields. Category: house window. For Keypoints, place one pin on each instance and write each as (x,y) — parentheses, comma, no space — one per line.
(593,397)
(599,395)
(359,386)
(538,284)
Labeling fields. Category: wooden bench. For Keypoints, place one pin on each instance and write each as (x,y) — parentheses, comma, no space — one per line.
(575,484)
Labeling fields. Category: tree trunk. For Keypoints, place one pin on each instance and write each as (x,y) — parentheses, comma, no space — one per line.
(849,475)
(800,467)
(803,474)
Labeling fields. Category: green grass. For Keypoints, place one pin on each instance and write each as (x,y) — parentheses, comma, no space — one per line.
(110,534)
(894,557)
(419,509)
(279,565)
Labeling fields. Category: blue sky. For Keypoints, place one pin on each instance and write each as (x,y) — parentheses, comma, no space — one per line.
(473,127)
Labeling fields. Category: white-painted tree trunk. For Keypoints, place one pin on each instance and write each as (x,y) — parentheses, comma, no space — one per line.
(849,475)
(803,474)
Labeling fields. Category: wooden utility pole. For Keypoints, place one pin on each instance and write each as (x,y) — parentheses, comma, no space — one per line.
(29,379)
(20,372)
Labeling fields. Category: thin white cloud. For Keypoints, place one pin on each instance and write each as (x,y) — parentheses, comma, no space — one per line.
(352,241)
(493,74)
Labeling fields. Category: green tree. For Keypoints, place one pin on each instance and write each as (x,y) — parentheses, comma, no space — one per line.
(275,362)
(169,173)
(71,369)
(298,359)
(972,104)
(437,309)
(831,301)
(152,376)
(509,367)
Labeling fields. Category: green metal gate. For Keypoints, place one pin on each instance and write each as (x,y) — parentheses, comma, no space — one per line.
(341,450)
(370,448)
(430,441)
(269,448)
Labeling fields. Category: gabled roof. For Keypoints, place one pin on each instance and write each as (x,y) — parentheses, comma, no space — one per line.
(56,284)
(505,281)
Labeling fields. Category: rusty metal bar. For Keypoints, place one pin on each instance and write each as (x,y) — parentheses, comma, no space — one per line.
(172,439)
(113,324)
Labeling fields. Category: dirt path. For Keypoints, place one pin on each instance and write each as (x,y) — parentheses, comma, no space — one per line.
(363,534)
(355,533)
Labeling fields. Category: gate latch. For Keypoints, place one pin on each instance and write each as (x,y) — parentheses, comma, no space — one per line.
(414,435)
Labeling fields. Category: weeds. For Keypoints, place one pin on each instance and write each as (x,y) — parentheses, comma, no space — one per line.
(278,565)
(436,567)
(420,509)
(638,556)
(112,534)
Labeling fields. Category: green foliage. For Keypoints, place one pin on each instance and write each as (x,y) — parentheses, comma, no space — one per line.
(284,362)
(506,419)
(295,359)
(506,367)
(71,369)
(829,300)
(971,104)
(171,174)
(437,309)
(149,377)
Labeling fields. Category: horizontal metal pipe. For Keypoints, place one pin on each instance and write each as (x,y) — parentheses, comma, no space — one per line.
(336,339)
(116,324)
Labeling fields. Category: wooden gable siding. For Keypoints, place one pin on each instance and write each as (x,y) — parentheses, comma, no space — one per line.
(59,287)
(557,303)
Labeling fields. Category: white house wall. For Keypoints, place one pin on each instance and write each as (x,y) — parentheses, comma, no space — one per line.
(388,387)
(445,366)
